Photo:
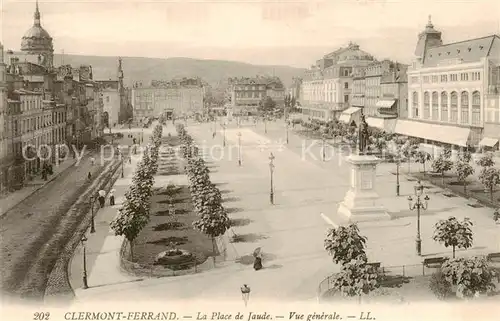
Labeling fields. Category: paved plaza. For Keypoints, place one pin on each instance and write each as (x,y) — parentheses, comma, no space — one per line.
(290,233)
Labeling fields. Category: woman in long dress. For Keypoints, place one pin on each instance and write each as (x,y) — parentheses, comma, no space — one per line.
(257,263)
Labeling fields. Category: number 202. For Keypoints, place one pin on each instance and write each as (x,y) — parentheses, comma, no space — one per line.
(41,316)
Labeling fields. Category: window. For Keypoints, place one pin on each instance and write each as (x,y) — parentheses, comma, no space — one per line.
(454,107)
(444,78)
(444,106)
(346,85)
(476,76)
(464,76)
(453,77)
(476,108)
(414,79)
(435,106)
(427,110)
(415,104)
(426,79)
(346,98)
(434,79)
(464,105)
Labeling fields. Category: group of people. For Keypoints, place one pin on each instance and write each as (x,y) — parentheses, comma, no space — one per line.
(102,198)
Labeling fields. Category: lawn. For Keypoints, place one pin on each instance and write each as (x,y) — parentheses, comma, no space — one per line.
(163,229)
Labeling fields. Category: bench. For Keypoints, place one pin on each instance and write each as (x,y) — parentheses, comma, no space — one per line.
(434,261)
(492,256)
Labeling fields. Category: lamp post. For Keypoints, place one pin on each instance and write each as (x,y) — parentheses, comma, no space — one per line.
(239,148)
(85,284)
(323,139)
(398,163)
(271,170)
(286,131)
(265,125)
(223,135)
(92,223)
(418,204)
(245,293)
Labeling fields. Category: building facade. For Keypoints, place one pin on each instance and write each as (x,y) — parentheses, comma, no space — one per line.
(245,94)
(453,91)
(327,86)
(5,155)
(175,98)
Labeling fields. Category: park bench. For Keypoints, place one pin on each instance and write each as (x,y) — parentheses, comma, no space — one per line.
(434,261)
(492,256)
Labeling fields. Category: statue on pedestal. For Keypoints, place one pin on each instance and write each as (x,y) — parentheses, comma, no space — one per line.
(363,135)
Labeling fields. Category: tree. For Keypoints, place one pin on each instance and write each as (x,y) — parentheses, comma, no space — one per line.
(409,149)
(293,103)
(490,178)
(213,224)
(496,215)
(442,164)
(471,276)
(486,160)
(345,244)
(454,233)
(355,278)
(267,104)
(422,157)
(131,219)
(464,170)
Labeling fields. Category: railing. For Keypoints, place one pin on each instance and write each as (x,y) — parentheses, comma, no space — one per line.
(398,270)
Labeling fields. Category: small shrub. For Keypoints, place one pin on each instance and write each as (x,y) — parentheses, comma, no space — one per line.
(440,287)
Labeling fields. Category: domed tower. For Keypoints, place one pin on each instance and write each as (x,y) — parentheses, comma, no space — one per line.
(428,38)
(37,41)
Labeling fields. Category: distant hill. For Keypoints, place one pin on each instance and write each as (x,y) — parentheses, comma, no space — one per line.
(146,69)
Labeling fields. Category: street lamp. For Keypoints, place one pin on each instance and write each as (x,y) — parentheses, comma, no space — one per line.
(265,125)
(286,131)
(245,293)
(418,205)
(271,170)
(85,284)
(323,138)
(223,135)
(92,223)
(239,148)
(398,163)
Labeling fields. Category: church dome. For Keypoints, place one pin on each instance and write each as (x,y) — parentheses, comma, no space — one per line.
(37,38)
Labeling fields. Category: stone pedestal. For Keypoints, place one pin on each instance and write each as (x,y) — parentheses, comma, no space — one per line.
(360,202)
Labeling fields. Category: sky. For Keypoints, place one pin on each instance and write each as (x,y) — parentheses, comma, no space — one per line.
(269,32)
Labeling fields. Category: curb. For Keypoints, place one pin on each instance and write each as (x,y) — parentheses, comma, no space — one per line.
(38,188)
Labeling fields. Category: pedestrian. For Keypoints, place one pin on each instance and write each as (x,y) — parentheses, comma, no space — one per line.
(92,161)
(130,159)
(112,197)
(89,176)
(257,263)
(213,135)
(102,201)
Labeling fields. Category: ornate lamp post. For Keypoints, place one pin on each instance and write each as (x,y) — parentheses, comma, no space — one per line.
(92,223)
(223,135)
(418,204)
(265,125)
(271,170)
(85,284)
(245,293)
(239,148)
(398,163)
(323,139)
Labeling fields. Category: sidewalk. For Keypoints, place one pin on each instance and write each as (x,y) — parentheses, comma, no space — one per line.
(10,200)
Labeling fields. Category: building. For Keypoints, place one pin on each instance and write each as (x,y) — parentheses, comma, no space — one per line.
(294,89)
(246,93)
(380,90)
(5,155)
(175,98)
(114,99)
(327,85)
(453,91)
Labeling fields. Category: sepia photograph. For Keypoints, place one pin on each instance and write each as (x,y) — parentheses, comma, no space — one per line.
(290,160)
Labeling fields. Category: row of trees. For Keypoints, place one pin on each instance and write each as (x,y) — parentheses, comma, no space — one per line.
(207,198)
(469,276)
(133,216)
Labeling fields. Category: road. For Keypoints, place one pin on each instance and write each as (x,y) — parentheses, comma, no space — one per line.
(36,230)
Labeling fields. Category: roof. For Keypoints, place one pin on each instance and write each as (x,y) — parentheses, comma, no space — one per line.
(466,51)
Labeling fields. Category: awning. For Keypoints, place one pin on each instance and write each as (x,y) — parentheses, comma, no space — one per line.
(351,110)
(488,141)
(346,115)
(345,118)
(385,103)
(375,122)
(446,134)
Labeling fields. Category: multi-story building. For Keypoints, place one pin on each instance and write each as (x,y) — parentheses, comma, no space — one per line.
(5,155)
(175,98)
(380,90)
(294,90)
(246,93)
(449,87)
(327,85)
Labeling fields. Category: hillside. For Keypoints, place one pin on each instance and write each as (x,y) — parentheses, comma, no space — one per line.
(146,69)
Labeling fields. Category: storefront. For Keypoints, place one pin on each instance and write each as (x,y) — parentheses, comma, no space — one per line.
(434,133)
(350,114)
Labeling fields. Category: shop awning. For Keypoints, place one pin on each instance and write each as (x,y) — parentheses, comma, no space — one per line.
(351,110)
(385,103)
(446,134)
(488,141)
(346,115)
(375,122)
